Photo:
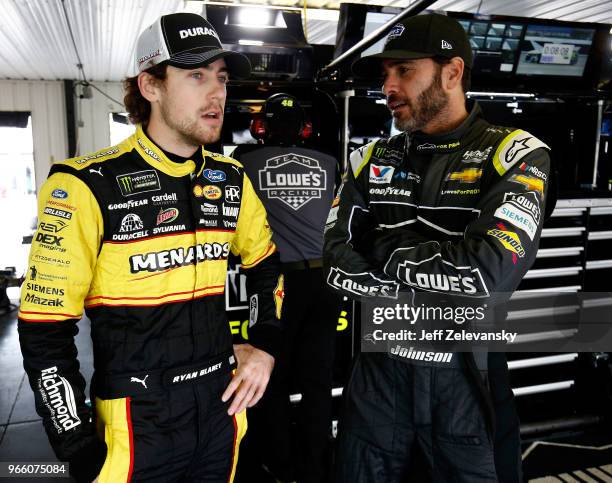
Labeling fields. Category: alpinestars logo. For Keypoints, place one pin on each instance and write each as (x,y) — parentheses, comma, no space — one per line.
(178,257)
(57,394)
(518,145)
(293,179)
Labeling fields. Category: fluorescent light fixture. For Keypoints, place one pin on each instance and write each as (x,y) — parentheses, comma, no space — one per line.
(250,42)
(499,94)
(254,17)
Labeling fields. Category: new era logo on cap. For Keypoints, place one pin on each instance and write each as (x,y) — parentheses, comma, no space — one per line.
(446,45)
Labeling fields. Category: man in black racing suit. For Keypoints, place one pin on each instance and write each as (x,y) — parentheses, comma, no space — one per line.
(452,205)
(138,235)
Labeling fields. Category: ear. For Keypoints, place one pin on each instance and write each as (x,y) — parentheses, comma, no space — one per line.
(149,86)
(453,73)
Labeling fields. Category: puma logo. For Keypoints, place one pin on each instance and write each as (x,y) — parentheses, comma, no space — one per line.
(236,168)
(98,171)
(141,381)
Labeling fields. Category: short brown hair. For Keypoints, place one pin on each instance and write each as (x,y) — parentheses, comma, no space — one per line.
(466,80)
(138,108)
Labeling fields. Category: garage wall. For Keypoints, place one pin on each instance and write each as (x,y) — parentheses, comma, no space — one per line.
(45,100)
(94,134)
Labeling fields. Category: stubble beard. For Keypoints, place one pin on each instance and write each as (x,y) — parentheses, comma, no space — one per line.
(428,105)
(188,129)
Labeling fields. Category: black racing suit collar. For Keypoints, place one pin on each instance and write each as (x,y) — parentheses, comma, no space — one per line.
(422,143)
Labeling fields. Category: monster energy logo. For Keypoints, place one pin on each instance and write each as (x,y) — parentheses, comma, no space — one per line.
(138,182)
(379,152)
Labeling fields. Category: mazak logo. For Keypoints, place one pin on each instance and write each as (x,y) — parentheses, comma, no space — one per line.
(214,175)
(131,222)
(138,182)
(58,396)
(35,299)
(178,257)
(59,194)
(128,205)
(509,240)
(468,175)
(148,151)
(231,211)
(446,45)
(293,179)
(381,174)
(456,280)
(167,216)
(533,170)
(195,31)
(363,284)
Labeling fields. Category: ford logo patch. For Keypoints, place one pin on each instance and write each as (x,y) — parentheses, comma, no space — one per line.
(214,175)
(61,194)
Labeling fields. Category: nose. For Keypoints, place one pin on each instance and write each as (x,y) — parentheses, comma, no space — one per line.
(219,91)
(390,84)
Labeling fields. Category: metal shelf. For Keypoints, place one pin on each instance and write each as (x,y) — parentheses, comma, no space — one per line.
(542,336)
(559,252)
(600,235)
(559,232)
(562,212)
(601,210)
(595,264)
(541,388)
(552,272)
(543,292)
(542,312)
(542,361)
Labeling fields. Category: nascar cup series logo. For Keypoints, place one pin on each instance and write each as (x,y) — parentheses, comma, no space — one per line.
(57,394)
(293,179)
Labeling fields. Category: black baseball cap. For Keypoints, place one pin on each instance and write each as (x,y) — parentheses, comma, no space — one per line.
(419,37)
(187,41)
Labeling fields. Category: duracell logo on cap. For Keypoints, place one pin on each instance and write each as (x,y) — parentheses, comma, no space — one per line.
(195,31)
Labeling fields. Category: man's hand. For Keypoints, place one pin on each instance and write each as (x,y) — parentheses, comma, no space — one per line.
(251,378)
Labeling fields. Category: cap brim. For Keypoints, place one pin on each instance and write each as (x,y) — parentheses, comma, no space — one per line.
(238,65)
(370,65)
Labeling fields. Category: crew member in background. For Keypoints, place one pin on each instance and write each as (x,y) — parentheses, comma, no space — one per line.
(453,200)
(138,234)
(296,185)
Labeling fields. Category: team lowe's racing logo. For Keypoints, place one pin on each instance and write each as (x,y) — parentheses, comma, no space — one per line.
(293,179)
(57,395)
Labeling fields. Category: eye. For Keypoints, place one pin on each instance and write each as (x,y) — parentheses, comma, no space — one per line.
(223,78)
(196,75)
